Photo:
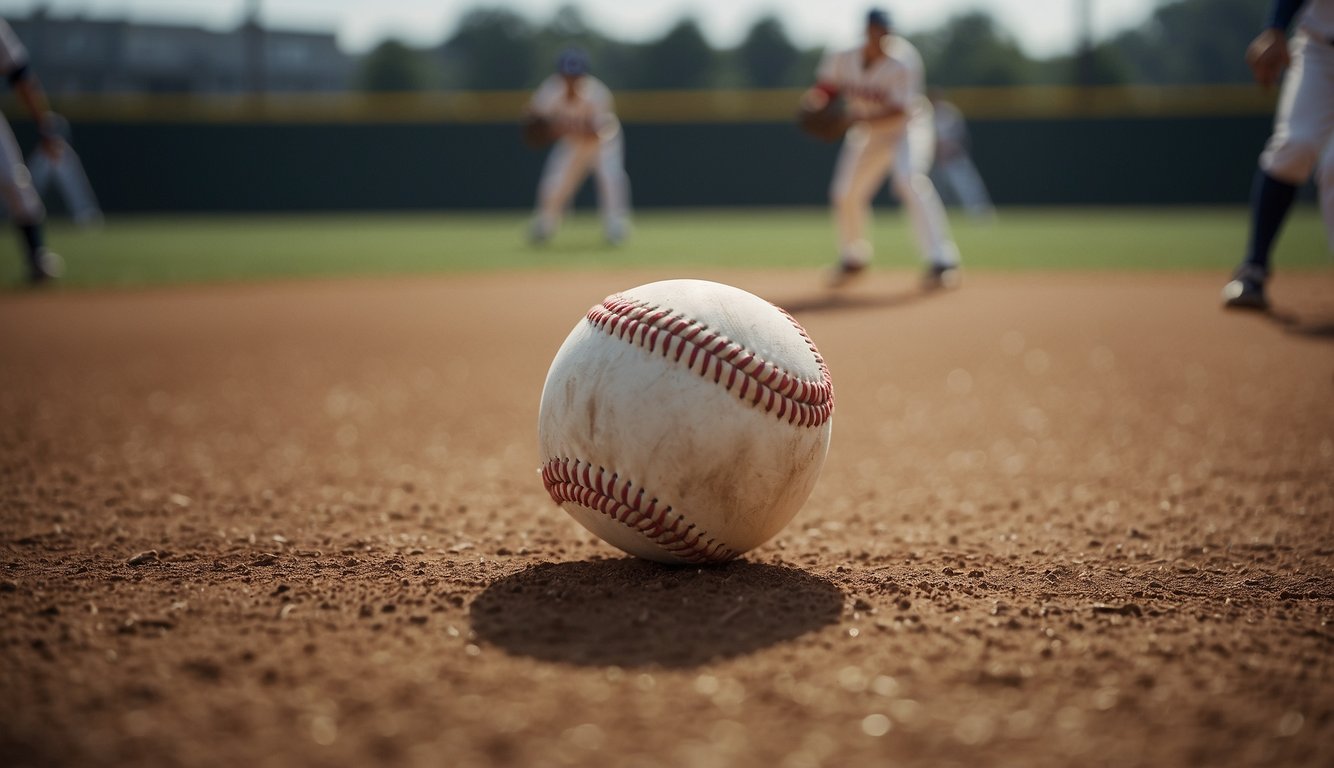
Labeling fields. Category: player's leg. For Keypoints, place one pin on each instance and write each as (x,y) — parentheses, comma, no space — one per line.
(613,189)
(1322,63)
(76,189)
(862,165)
(1303,124)
(942,176)
(40,171)
(1325,179)
(925,210)
(25,207)
(969,187)
(565,170)
(546,219)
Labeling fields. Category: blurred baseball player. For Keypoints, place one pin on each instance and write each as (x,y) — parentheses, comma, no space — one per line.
(21,198)
(588,137)
(954,166)
(882,83)
(1301,141)
(65,171)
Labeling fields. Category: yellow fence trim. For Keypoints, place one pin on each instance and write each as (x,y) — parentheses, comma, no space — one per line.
(703,106)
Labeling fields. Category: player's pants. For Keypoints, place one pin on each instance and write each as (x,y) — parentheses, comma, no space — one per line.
(866,158)
(568,165)
(21,198)
(959,176)
(69,177)
(1304,124)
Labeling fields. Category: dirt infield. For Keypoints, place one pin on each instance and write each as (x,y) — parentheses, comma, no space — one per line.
(1066,520)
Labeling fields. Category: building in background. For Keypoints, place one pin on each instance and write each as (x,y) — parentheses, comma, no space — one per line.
(79,55)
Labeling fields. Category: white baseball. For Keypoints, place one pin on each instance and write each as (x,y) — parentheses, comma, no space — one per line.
(685,421)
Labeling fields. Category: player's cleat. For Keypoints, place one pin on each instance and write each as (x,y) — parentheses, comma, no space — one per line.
(539,233)
(1246,290)
(616,231)
(845,273)
(941,276)
(47,267)
(853,259)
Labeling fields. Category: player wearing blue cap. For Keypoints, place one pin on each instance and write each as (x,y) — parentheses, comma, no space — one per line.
(580,111)
(882,82)
(1303,137)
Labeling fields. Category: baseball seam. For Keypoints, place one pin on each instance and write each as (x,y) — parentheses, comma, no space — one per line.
(791,398)
(600,490)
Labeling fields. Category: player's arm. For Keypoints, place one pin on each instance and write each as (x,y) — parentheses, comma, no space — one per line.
(892,103)
(604,123)
(818,96)
(601,121)
(1267,54)
(543,101)
(33,98)
(535,127)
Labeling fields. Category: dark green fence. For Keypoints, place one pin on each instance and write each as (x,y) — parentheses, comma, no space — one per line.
(207,166)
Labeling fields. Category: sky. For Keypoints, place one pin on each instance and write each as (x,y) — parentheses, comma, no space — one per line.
(1043,27)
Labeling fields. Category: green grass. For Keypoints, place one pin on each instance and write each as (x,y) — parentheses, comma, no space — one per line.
(132,251)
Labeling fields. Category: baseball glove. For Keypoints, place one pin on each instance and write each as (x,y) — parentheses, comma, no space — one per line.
(828,123)
(537,132)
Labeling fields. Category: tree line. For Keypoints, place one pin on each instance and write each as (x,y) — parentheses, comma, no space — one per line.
(1183,42)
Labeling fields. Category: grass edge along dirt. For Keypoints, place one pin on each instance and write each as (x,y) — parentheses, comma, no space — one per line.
(158,250)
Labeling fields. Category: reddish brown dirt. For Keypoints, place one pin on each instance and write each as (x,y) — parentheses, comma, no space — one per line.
(1066,520)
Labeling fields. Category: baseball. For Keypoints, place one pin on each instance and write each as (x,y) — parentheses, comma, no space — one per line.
(685,421)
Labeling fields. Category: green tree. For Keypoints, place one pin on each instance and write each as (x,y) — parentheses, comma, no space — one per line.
(1103,64)
(568,22)
(492,48)
(971,49)
(682,58)
(568,28)
(766,56)
(808,61)
(1192,42)
(393,66)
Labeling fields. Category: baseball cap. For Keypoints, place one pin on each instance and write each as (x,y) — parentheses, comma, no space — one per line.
(879,17)
(572,62)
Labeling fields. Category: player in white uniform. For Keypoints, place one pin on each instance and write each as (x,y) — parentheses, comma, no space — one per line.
(21,198)
(1301,142)
(954,166)
(882,83)
(581,112)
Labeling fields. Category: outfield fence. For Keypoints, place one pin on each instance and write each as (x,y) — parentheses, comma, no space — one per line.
(421,151)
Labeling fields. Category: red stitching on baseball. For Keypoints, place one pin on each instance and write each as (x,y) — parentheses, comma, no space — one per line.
(797,400)
(573,480)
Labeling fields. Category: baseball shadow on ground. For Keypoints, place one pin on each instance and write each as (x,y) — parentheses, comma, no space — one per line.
(633,613)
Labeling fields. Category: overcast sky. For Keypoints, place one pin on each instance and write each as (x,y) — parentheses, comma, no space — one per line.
(1043,27)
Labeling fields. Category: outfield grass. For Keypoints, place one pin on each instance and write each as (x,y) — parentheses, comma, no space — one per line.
(163,250)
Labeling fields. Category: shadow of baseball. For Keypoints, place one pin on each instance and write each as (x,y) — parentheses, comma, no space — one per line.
(633,613)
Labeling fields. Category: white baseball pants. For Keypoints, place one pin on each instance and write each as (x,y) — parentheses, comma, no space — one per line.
(569,164)
(866,158)
(1304,124)
(16,187)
